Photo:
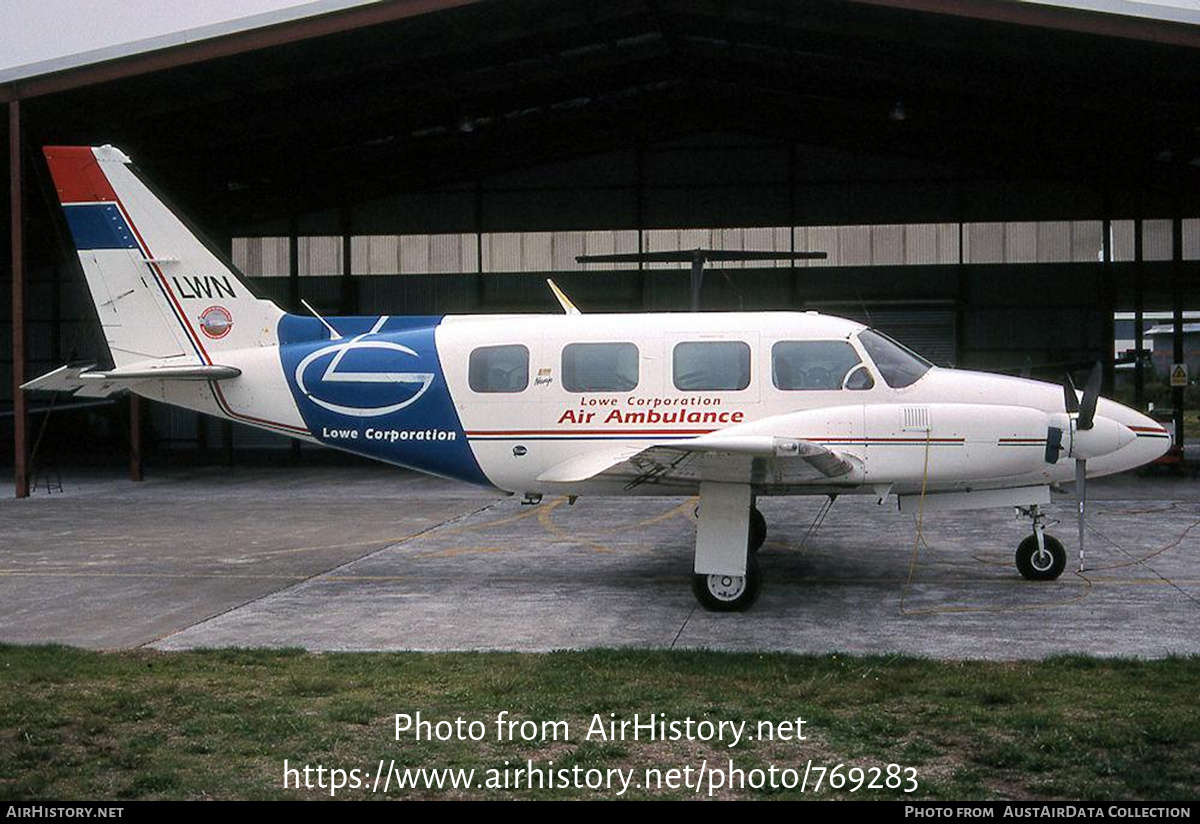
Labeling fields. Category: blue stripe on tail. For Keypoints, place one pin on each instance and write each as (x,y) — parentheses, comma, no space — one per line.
(99,226)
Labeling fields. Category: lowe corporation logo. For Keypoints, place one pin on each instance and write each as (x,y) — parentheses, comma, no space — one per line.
(349,388)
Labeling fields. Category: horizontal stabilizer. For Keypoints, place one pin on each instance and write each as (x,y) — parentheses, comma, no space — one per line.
(86,383)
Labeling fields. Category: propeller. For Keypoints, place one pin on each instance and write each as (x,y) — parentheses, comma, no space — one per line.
(1085,419)
(1091,395)
(1071,394)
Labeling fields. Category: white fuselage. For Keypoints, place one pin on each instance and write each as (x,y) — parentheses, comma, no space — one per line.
(946,430)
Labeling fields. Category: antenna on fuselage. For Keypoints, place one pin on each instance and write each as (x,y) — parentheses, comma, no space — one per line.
(333,333)
(697,257)
(563,300)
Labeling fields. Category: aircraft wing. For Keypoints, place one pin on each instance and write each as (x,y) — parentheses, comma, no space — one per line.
(763,460)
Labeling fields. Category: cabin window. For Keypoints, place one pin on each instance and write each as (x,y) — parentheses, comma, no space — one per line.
(499,369)
(599,367)
(899,365)
(705,366)
(814,364)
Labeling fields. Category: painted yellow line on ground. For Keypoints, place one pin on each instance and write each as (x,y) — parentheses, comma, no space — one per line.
(548,525)
(455,551)
(534,510)
(683,510)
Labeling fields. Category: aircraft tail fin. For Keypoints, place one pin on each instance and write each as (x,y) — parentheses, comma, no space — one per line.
(161,293)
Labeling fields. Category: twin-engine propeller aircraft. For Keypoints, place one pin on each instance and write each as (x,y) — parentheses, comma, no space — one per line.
(730,406)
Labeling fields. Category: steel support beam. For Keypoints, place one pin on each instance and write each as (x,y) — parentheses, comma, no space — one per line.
(1139,318)
(348,297)
(294,266)
(294,307)
(1177,394)
(20,407)
(135,437)
(1109,298)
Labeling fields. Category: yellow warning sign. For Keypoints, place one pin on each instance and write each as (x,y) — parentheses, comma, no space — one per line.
(1179,374)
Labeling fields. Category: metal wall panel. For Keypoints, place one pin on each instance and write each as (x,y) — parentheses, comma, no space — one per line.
(1087,241)
(930,243)
(1053,241)
(819,239)
(258,257)
(1191,239)
(319,256)
(983,242)
(565,247)
(1156,239)
(887,245)
(502,252)
(854,245)
(375,254)
(414,254)
(1021,241)
(1122,240)
(605,242)
(452,254)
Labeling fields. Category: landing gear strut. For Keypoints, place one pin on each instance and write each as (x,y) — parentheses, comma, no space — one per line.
(730,530)
(1040,557)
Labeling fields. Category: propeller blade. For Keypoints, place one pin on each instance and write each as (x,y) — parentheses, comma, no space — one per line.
(1069,394)
(1081,496)
(1091,395)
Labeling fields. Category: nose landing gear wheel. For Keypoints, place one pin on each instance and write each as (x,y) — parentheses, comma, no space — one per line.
(1036,564)
(728,593)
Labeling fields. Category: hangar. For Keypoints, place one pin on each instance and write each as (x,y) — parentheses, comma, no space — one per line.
(992,180)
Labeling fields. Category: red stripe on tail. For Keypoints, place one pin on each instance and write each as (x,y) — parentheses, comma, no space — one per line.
(77,176)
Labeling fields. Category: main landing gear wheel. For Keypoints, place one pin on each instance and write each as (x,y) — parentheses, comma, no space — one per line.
(1036,564)
(728,593)
(758,529)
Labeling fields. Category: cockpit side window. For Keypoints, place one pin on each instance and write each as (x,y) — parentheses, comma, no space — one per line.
(813,364)
(860,378)
(899,365)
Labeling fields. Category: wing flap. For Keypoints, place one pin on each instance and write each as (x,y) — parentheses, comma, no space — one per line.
(589,465)
(759,459)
